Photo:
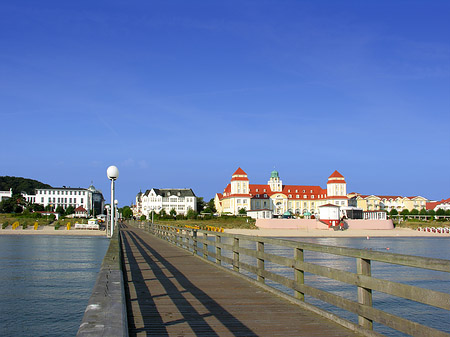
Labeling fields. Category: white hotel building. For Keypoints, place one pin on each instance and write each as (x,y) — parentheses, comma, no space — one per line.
(166,199)
(88,198)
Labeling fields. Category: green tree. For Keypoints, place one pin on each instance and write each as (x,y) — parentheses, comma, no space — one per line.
(393,212)
(440,212)
(162,213)
(200,204)
(404,212)
(173,213)
(414,212)
(431,212)
(143,217)
(210,207)
(127,213)
(191,214)
(69,210)
(242,211)
(60,210)
(423,211)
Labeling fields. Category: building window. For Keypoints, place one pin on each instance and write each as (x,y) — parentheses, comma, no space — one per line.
(312,196)
(304,196)
(257,190)
(303,191)
(265,195)
(238,201)
(289,196)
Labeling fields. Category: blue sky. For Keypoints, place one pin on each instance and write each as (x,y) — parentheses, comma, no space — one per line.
(182,93)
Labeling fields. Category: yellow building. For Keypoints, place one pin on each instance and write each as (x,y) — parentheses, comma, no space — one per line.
(386,203)
(279,198)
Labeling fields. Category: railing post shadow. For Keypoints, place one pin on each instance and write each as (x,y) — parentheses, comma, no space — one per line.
(236,254)
(299,275)
(364,294)
(260,262)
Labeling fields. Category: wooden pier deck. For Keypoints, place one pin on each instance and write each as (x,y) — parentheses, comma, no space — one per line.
(170,292)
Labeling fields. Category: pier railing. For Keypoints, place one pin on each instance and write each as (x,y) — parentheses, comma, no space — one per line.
(246,255)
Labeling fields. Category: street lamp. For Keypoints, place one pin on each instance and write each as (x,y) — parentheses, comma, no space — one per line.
(116,209)
(112,173)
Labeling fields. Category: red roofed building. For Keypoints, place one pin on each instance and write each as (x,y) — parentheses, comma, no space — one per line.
(435,205)
(279,198)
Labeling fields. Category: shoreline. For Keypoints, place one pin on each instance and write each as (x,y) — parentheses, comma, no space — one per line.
(396,232)
(50,230)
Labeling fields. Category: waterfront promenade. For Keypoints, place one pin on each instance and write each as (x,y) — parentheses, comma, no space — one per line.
(171,292)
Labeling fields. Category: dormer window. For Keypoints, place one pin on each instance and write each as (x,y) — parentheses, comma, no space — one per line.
(257,190)
(304,191)
(297,196)
(265,195)
(289,196)
(289,191)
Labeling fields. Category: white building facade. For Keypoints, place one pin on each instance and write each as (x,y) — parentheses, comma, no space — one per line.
(5,194)
(156,200)
(90,198)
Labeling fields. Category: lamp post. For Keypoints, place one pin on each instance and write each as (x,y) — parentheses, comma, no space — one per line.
(112,173)
(108,220)
(116,209)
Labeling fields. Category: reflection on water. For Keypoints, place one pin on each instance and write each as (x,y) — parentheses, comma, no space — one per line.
(426,247)
(46,282)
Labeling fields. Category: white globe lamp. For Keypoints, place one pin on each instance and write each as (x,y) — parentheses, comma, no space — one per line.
(113,173)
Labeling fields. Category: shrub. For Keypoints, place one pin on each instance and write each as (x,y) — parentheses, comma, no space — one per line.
(24,225)
(57,226)
(5,224)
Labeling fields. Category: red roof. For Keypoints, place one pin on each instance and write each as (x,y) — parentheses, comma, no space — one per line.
(239,171)
(239,178)
(433,204)
(80,209)
(336,181)
(336,174)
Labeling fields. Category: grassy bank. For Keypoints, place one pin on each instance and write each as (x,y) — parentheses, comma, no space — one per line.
(6,220)
(414,224)
(223,221)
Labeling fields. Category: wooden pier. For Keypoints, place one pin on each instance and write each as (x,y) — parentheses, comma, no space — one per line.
(170,292)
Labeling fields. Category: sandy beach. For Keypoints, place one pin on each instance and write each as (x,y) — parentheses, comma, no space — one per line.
(400,232)
(50,230)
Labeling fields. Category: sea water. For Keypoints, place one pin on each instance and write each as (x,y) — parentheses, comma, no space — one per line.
(46,282)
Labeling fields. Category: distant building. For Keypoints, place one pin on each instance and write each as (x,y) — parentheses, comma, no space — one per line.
(5,194)
(386,203)
(279,198)
(90,198)
(155,200)
(435,205)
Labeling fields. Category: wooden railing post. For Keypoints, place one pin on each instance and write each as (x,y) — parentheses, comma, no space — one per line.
(236,254)
(194,241)
(299,275)
(205,246)
(364,294)
(260,262)
(218,250)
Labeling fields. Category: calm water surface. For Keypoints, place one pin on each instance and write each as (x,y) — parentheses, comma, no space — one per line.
(46,282)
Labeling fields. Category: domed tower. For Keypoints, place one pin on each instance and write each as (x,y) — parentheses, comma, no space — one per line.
(275,183)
